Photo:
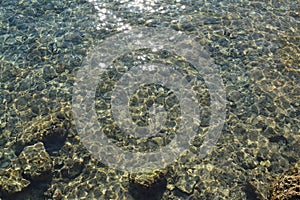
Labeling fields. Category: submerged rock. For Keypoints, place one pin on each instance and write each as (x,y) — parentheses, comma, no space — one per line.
(35,161)
(52,130)
(147,179)
(287,186)
(11,181)
(148,185)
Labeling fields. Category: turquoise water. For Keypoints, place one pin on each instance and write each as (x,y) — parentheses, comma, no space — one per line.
(253,45)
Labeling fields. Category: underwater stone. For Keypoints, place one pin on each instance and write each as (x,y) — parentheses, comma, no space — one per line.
(147,179)
(287,186)
(11,181)
(186,182)
(35,161)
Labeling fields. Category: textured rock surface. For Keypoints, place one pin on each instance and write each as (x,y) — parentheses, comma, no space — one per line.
(256,45)
(287,186)
(11,181)
(147,179)
(35,161)
(51,129)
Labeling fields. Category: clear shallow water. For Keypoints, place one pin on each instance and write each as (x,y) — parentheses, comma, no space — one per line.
(43,45)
